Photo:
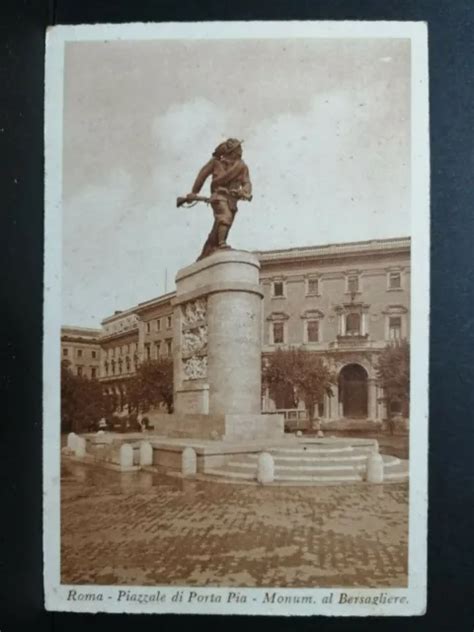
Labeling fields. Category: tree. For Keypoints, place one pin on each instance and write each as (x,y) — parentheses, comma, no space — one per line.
(393,373)
(82,401)
(304,371)
(152,384)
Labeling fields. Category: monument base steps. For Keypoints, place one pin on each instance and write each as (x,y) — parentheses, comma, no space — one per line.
(297,461)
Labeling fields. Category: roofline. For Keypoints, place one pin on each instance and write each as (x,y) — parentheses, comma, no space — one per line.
(153,302)
(337,249)
(80,339)
(289,254)
(133,331)
(126,312)
(90,330)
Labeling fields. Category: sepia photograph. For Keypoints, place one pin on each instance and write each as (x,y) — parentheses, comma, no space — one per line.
(236,318)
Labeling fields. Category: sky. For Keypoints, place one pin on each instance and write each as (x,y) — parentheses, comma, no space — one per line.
(326,130)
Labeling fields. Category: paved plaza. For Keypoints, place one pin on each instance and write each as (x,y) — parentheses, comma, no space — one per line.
(147,529)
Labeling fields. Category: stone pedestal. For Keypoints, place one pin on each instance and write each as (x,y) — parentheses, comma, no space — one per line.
(189,462)
(375,468)
(217,341)
(146,453)
(265,468)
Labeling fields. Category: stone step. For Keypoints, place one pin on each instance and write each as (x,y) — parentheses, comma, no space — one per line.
(321,478)
(230,475)
(224,473)
(319,452)
(296,460)
(290,462)
(308,467)
(333,477)
(394,470)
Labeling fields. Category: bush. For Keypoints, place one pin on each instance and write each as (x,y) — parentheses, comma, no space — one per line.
(113,422)
(82,401)
(133,423)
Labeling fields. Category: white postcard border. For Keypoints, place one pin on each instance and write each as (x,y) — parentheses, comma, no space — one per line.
(210,600)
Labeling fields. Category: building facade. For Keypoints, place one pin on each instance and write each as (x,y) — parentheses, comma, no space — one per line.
(344,302)
(81,349)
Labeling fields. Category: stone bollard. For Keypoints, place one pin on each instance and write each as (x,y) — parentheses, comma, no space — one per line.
(146,453)
(374,468)
(266,468)
(80,447)
(71,440)
(126,456)
(188,462)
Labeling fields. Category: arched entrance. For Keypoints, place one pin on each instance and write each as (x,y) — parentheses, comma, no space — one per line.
(353,391)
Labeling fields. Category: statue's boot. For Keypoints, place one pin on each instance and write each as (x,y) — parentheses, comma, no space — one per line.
(222,232)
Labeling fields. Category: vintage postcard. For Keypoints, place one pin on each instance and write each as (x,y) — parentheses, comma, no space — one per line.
(236,318)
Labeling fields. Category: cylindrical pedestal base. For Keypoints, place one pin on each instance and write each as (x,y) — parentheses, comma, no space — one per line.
(234,353)
(217,350)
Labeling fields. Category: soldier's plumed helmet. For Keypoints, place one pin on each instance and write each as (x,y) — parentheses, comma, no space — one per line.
(226,147)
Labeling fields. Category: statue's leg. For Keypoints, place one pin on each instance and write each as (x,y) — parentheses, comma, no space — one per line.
(224,217)
(222,232)
(211,242)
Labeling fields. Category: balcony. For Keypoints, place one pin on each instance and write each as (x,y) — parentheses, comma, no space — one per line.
(351,340)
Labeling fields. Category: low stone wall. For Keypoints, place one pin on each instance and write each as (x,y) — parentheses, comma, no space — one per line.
(352,425)
(217,427)
(195,426)
(106,447)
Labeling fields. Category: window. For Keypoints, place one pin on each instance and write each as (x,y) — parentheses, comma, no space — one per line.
(147,351)
(278,289)
(79,353)
(120,364)
(113,367)
(65,352)
(353,283)
(93,372)
(313,330)
(353,324)
(169,346)
(395,327)
(127,364)
(106,367)
(313,286)
(396,407)
(394,281)
(94,354)
(148,328)
(79,370)
(168,322)
(158,324)
(278,333)
(157,349)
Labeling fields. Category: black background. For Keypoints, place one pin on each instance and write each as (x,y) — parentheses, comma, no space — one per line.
(451,46)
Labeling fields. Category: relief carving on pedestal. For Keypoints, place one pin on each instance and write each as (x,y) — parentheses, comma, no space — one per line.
(194,312)
(194,339)
(195,367)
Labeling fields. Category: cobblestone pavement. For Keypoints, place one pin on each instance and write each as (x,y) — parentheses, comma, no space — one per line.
(146,529)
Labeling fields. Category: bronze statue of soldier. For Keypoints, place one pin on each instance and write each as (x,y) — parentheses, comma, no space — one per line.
(230,182)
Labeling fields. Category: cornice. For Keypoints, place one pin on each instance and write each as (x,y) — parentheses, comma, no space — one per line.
(336,251)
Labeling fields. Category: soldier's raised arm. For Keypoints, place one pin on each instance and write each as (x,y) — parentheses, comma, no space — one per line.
(246,183)
(202,176)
